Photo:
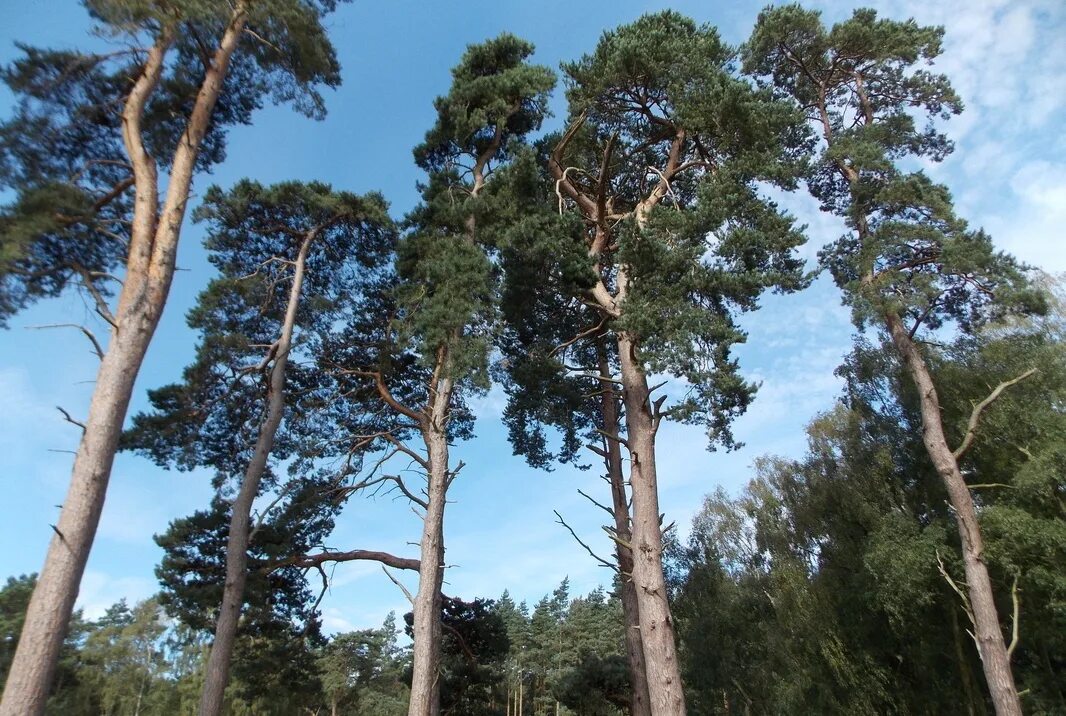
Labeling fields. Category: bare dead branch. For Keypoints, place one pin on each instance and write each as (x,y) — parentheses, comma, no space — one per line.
(602,506)
(1016,606)
(97,348)
(616,438)
(955,587)
(308,561)
(975,416)
(397,582)
(584,334)
(619,540)
(588,549)
(72,421)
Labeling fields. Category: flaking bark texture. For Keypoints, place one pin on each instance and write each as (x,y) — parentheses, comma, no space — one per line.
(638,679)
(426,650)
(150,270)
(666,696)
(218,662)
(989,637)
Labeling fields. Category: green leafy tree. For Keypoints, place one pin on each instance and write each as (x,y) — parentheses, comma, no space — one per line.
(806,593)
(907,263)
(362,672)
(647,237)
(122,657)
(83,153)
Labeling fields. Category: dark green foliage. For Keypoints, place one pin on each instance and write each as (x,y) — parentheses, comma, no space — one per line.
(362,672)
(474,647)
(70,693)
(449,283)
(496,98)
(255,232)
(14,598)
(819,589)
(595,686)
(213,417)
(862,85)
(280,625)
(678,261)
(62,152)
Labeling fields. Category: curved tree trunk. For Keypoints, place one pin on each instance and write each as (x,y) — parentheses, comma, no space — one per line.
(666,697)
(638,679)
(154,237)
(426,651)
(240,530)
(990,645)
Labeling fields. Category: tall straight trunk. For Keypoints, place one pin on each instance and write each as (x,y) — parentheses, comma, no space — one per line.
(666,697)
(154,234)
(229,613)
(638,679)
(990,644)
(425,678)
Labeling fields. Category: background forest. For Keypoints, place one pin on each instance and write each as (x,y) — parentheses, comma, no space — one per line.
(438,443)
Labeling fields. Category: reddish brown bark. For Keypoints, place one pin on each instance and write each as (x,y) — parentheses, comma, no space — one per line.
(638,679)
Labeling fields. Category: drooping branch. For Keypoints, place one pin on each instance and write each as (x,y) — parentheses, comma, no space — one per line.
(975,416)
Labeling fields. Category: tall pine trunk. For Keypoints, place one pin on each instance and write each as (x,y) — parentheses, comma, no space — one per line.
(987,633)
(666,697)
(638,679)
(153,244)
(426,650)
(239,537)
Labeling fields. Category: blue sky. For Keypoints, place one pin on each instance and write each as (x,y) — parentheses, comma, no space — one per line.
(1008,173)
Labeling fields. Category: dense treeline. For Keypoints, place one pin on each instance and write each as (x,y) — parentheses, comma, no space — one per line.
(498,657)
(910,562)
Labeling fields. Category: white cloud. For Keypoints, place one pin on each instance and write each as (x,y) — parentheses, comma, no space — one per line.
(100,590)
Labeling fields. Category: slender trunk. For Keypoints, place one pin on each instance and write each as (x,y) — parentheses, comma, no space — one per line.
(425,679)
(150,269)
(990,644)
(229,612)
(666,697)
(638,679)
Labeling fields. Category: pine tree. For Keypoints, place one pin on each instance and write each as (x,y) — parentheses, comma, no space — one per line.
(650,237)
(907,263)
(419,345)
(289,255)
(83,153)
